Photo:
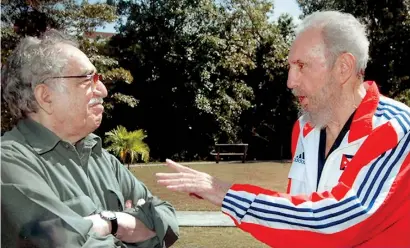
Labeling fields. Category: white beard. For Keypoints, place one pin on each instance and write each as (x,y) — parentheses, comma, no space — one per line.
(324,103)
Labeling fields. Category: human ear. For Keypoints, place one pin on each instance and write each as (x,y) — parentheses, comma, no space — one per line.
(345,67)
(43,95)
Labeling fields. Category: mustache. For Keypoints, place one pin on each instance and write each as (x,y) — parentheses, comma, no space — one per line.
(296,92)
(97,100)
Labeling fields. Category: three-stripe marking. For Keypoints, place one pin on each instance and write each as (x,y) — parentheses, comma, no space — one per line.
(397,153)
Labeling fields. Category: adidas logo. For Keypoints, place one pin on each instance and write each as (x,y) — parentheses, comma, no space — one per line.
(300,158)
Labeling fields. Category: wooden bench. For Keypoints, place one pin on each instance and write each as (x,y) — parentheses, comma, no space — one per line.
(217,152)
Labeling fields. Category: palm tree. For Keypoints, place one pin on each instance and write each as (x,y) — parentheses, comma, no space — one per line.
(127,145)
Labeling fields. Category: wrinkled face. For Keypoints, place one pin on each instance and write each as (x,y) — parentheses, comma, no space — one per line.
(311,80)
(78,109)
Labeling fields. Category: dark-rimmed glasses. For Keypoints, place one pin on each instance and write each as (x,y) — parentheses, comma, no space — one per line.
(94,77)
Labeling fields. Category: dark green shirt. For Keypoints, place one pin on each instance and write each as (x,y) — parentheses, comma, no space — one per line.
(48,186)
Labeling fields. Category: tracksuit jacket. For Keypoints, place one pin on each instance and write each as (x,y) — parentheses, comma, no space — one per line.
(362,198)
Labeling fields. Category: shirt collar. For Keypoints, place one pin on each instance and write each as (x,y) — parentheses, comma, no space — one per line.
(40,138)
(43,140)
(362,124)
(93,141)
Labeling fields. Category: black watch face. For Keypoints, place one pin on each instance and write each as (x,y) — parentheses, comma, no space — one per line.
(109,215)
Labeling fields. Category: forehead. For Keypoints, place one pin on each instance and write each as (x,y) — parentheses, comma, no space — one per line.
(77,61)
(307,45)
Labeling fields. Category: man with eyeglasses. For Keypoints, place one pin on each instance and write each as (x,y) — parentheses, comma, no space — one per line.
(59,187)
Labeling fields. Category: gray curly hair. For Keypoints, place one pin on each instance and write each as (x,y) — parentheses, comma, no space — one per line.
(342,32)
(30,64)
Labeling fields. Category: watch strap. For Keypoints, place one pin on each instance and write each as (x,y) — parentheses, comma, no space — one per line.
(114,227)
(110,216)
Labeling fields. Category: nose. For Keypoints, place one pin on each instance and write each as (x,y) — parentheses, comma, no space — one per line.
(100,89)
(293,78)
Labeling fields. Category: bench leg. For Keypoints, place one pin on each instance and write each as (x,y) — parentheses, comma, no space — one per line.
(218,150)
(245,150)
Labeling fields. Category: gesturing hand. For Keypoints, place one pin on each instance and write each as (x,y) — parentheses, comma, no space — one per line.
(191,181)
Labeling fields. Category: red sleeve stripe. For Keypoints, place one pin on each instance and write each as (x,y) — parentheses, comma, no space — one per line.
(362,124)
(327,214)
(295,137)
(289,186)
(381,139)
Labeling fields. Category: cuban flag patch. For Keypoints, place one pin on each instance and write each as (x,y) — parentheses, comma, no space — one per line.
(345,161)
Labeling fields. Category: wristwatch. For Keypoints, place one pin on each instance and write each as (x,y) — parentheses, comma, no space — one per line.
(108,215)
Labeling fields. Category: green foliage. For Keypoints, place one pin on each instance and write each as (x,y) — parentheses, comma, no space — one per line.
(197,66)
(86,17)
(404,97)
(34,17)
(127,145)
(129,100)
(8,41)
(118,74)
(388,23)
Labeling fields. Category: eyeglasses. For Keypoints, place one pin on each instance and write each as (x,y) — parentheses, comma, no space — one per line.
(94,77)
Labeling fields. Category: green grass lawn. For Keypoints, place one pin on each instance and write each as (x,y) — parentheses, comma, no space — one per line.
(268,175)
(216,237)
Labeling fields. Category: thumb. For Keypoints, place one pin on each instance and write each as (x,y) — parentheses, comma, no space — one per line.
(193,195)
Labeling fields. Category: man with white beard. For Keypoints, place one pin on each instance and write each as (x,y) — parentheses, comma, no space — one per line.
(59,187)
(349,180)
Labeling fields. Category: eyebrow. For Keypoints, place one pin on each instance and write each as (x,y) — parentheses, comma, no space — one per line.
(297,62)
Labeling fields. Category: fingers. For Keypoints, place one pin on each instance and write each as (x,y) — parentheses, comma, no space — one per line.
(180,168)
(162,176)
(187,185)
(186,180)
(192,188)
(177,181)
(128,204)
(193,195)
(178,178)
